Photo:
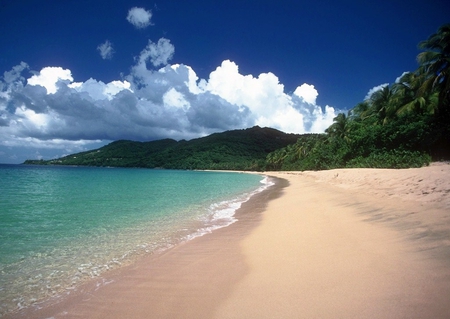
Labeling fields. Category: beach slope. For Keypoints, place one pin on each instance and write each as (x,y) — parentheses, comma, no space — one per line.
(353,243)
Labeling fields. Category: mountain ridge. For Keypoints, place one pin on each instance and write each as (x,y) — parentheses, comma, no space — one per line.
(242,149)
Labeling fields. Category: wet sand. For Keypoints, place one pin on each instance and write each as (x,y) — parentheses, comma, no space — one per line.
(335,244)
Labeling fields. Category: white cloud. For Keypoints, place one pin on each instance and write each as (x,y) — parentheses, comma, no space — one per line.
(375,89)
(192,77)
(158,53)
(267,101)
(106,50)
(264,96)
(322,120)
(98,90)
(114,87)
(30,119)
(139,17)
(12,81)
(307,92)
(148,104)
(173,98)
(49,78)
(15,73)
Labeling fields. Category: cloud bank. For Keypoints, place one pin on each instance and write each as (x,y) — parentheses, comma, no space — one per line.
(49,109)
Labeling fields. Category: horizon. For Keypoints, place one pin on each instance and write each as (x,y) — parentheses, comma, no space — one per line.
(89,73)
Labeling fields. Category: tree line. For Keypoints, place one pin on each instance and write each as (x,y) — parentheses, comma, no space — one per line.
(406,124)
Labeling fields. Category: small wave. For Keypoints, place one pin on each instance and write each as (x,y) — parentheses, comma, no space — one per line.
(57,272)
(222,214)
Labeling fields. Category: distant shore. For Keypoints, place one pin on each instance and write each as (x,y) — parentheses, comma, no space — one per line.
(350,243)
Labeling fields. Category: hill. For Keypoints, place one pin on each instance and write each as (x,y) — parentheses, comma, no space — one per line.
(234,150)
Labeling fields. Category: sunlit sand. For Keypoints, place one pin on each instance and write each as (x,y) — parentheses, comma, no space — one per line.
(354,243)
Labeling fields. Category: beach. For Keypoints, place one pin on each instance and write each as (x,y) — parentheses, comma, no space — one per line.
(350,243)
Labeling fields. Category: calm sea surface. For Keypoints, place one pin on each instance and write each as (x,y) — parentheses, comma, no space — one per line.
(62,225)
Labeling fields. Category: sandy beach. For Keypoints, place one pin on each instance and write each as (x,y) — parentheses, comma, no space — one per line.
(351,243)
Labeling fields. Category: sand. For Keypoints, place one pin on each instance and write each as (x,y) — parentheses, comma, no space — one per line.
(352,243)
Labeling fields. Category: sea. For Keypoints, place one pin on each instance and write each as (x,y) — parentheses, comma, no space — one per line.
(61,226)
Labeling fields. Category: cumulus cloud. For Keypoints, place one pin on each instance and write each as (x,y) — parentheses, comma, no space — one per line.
(106,50)
(97,90)
(139,17)
(375,89)
(307,92)
(49,78)
(15,74)
(158,53)
(267,101)
(12,80)
(50,108)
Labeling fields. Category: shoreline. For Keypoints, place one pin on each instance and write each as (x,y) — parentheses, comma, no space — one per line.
(331,244)
(164,268)
(67,266)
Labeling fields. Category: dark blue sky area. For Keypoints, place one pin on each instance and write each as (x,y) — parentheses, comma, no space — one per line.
(95,71)
(343,48)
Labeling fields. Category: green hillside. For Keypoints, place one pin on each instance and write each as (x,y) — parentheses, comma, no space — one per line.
(234,150)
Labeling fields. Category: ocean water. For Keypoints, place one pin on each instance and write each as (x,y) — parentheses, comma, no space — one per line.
(60,226)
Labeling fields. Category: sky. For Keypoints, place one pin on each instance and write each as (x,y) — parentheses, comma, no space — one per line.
(78,74)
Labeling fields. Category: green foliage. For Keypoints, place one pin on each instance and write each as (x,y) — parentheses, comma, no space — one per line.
(435,65)
(231,150)
(390,159)
(403,125)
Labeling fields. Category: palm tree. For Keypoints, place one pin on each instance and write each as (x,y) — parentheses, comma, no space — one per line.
(276,158)
(406,96)
(340,127)
(379,104)
(302,147)
(435,64)
(360,111)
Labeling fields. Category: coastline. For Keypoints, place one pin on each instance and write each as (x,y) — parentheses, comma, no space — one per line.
(87,221)
(315,245)
(178,282)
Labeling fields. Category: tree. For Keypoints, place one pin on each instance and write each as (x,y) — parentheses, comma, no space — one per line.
(435,64)
(379,104)
(340,127)
(360,111)
(406,97)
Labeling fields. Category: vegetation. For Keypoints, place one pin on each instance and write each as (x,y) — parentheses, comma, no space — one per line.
(231,150)
(406,124)
(403,125)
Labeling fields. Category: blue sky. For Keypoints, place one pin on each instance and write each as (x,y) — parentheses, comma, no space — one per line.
(75,75)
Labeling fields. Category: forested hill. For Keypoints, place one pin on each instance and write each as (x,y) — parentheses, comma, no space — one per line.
(234,150)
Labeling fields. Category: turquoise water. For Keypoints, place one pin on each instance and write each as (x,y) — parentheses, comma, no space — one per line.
(60,226)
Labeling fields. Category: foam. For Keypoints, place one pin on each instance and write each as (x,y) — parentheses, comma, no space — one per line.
(222,214)
(63,269)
